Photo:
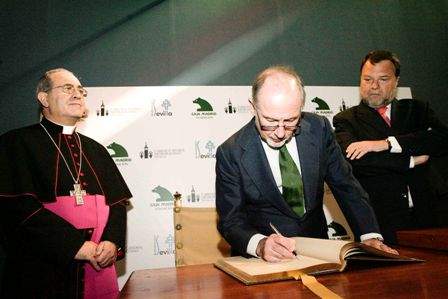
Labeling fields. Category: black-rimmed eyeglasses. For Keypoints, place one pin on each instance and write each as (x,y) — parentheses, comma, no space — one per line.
(70,89)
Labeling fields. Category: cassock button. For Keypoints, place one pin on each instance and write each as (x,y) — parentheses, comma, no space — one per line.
(84,184)
(75,154)
(72,145)
(69,136)
(81,174)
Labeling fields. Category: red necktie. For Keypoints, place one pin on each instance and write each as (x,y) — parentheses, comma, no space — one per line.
(382,111)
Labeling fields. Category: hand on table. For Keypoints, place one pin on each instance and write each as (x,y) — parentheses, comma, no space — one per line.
(379,245)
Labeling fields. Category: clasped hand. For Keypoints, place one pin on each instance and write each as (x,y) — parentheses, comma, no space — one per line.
(99,255)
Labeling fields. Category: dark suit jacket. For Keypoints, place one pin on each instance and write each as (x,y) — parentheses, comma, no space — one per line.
(247,197)
(386,176)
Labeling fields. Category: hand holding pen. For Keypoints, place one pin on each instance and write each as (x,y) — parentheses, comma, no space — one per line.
(278,233)
(276,248)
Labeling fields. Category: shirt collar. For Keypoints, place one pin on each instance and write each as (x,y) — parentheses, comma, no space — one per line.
(66,130)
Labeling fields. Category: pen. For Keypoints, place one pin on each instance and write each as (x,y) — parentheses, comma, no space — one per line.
(278,233)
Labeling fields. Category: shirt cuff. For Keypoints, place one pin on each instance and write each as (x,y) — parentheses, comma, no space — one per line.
(371,236)
(411,162)
(253,243)
(394,145)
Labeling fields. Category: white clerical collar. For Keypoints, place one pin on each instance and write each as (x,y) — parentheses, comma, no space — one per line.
(66,130)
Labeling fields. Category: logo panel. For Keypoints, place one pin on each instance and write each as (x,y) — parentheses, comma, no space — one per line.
(162,109)
(205,149)
(162,198)
(205,109)
(118,153)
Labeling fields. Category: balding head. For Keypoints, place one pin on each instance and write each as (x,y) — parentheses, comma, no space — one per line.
(281,72)
(278,97)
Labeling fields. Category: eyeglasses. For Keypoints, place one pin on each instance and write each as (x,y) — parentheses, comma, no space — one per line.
(274,128)
(70,89)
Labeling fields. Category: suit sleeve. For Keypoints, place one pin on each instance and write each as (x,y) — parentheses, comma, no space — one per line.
(230,203)
(350,196)
(430,137)
(373,163)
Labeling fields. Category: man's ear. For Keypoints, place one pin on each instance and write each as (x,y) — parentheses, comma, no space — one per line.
(396,84)
(42,97)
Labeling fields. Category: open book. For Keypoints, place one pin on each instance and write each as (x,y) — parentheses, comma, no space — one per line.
(315,256)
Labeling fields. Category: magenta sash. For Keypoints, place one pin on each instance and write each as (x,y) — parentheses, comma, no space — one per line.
(92,214)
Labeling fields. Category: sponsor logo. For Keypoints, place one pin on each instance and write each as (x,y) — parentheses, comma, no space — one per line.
(118,153)
(322,107)
(205,149)
(337,232)
(343,106)
(205,110)
(162,109)
(160,153)
(146,153)
(164,199)
(133,249)
(163,245)
(230,109)
(102,111)
(192,197)
(195,197)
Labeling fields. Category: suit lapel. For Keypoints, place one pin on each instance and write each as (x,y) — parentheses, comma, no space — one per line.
(371,120)
(398,118)
(257,167)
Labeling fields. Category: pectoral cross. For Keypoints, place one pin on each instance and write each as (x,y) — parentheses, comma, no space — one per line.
(77,192)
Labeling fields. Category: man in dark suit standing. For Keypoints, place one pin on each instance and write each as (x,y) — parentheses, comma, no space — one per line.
(273,171)
(388,142)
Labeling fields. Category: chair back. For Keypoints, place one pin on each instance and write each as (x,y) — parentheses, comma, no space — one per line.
(196,235)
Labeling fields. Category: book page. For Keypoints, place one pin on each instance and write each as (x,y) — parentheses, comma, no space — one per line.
(256,266)
(322,249)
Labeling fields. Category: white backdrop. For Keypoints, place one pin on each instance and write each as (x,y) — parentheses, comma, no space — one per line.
(164,139)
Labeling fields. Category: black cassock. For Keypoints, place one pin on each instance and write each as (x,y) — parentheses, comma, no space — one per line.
(40,246)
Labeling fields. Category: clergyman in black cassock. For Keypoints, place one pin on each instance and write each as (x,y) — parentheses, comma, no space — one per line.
(46,256)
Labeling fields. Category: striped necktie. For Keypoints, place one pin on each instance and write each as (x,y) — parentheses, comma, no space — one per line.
(382,111)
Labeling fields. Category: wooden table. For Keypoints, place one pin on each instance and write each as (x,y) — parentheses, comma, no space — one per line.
(433,238)
(412,280)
